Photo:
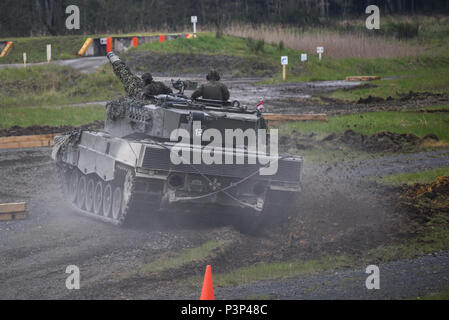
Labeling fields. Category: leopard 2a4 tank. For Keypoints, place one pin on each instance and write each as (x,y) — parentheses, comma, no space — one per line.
(171,153)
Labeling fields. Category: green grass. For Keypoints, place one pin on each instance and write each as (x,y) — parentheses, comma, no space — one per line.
(55,85)
(442,295)
(414,177)
(50,116)
(339,69)
(370,123)
(433,79)
(178,259)
(267,271)
(63,47)
(206,43)
(173,260)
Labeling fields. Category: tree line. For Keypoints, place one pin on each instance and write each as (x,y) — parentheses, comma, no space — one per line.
(47,17)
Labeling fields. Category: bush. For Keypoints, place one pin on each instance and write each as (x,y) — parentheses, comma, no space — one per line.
(251,44)
(281,45)
(219,33)
(255,46)
(405,30)
(260,44)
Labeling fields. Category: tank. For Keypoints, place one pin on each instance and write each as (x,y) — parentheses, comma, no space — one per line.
(164,154)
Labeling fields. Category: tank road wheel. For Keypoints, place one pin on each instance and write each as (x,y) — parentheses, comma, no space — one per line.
(89,204)
(123,193)
(81,192)
(98,198)
(117,198)
(107,200)
(73,185)
(110,201)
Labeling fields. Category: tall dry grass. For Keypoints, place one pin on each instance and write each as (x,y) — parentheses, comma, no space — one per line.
(336,45)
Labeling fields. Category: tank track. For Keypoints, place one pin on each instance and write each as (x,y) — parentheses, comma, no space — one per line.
(112,201)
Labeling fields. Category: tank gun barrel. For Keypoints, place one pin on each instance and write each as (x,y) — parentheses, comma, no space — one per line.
(132,83)
(112,57)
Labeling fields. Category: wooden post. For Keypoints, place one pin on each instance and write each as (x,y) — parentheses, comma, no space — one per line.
(48,53)
(284,71)
(24,60)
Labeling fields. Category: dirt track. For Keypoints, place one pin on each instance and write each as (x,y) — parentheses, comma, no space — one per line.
(337,216)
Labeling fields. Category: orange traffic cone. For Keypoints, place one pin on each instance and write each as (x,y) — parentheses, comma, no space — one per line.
(207,293)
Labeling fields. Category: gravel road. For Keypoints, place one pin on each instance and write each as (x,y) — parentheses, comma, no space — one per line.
(411,162)
(398,280)
(85,65)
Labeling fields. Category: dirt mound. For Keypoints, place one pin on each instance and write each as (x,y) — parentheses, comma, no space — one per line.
(372,99)
(177,64)
(424,201)
(405,97)
(440,110)
(380,142)
(420,95)
(32,130)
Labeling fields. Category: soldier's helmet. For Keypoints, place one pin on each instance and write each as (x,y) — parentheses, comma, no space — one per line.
(147,78)
(213,75)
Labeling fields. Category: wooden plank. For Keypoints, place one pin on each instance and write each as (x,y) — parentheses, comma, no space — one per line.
(295,117)
(13,216)
(15,142)
(38,137)
(12,207)
(26,144)
(362,78)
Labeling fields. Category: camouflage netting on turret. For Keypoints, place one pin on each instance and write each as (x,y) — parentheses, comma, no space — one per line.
(122,107)
(61,142)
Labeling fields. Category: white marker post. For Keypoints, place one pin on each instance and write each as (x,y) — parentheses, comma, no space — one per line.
(320,51)
(24,60)
(194,20)
(284,62)
(303,57)
(48,53)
